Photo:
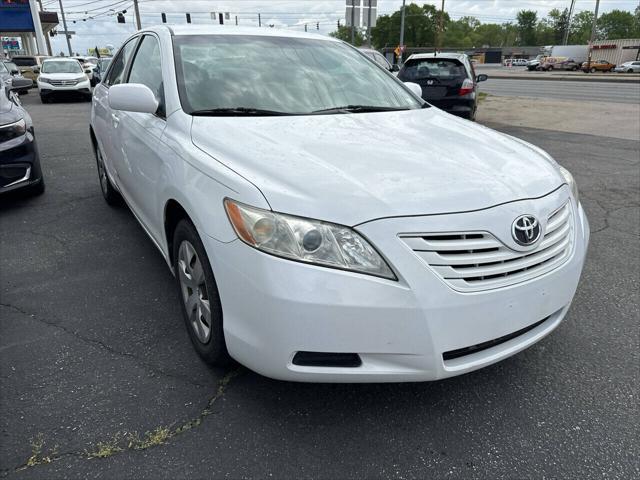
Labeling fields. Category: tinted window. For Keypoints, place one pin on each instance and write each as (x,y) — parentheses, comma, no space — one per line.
(146,67)
(432,68)
(285,74)
(25,61)
(116,74)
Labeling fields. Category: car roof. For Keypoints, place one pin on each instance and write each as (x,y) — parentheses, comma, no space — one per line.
(445,55)
(191,29)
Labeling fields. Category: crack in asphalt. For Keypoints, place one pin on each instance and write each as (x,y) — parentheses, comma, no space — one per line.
(103,346)
(131,442)
(607,214)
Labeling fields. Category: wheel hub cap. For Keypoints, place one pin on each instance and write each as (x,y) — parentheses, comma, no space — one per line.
(194,291)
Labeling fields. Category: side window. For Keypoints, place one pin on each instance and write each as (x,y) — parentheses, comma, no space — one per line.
(119,64)
(147,69)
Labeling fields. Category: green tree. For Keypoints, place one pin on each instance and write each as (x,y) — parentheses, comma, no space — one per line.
(527,21)
(420,27)
(580,29)
(461,33)
(489,35)
(618,24)
(344,33)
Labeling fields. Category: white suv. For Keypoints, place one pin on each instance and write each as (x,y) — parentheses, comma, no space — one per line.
(62,76)
(322,221)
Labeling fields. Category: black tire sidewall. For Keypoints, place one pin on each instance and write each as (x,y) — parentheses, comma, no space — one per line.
(111,195)
(214,352)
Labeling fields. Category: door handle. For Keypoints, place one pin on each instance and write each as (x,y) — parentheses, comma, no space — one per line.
(115,119)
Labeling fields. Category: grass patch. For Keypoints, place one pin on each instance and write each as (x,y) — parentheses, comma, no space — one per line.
(150,439)
(107,448)
(482,96)
(37,457)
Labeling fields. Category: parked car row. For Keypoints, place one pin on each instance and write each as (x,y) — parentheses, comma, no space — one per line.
(548,63)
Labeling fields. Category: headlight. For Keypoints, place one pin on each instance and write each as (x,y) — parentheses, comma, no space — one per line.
(43,79)
(306,240)
(82,78)
(571,182)
(12,130)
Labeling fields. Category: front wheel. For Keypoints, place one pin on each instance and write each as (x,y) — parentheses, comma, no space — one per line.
(593,70)
(110,194)
(200,300)
(630,70)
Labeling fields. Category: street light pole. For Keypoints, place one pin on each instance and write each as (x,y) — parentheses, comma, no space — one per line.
(137,10)
(593,34)
(402,29)
(353,19)
(565,38)
(369,26)
(440,27)
(64,24)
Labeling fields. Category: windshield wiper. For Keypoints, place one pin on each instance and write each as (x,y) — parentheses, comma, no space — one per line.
(237,112)
(358,109)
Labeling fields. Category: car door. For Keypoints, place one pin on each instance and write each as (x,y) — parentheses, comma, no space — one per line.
(140,137)
(106,121)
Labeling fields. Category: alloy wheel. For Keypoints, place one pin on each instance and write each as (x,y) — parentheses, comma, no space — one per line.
(194,291)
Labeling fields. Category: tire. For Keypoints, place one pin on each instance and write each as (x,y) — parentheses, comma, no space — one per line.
(44,99)
(593,70)
(549,68)
(197,290)
(110,194)
(630,70)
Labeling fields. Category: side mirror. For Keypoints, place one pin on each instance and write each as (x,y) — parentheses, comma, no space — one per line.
(20,84)
(132,97)
(482,77)
(414,87)
(35,69)
(395,67)
(87,71)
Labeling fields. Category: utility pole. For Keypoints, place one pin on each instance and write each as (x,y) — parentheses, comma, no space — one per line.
(64,24)
(369,25)
(565,38)
(353,20)
(259,20)
(137,10)
(593,34)
(440,27)
(46,37)
(402,29)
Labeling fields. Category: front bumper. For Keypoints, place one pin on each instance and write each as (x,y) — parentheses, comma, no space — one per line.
(19,163)
(274,308)
(82,88)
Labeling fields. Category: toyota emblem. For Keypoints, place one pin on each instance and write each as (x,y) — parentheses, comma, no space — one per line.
(526,230)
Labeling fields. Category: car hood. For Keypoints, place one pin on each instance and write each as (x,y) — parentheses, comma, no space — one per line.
(351,168)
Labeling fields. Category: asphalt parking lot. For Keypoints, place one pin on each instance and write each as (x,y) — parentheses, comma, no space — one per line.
(99,380)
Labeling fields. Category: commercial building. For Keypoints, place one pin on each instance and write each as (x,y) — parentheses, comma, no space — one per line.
(616,51)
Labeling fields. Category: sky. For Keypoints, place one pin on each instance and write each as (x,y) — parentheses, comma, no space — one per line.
(95,21)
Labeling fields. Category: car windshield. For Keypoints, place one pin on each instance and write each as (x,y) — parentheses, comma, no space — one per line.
(61,66)
(433,68)
(281,75)
(11,66)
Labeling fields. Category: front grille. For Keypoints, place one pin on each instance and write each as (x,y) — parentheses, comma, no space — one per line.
(474,261)
(63,83)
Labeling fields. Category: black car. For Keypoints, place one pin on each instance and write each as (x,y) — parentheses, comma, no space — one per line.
(19,159)
(448,81)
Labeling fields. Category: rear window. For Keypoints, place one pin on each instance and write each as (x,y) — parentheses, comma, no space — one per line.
(24,61)
(433,68)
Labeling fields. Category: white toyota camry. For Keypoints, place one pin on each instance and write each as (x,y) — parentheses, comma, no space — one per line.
(323,223)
